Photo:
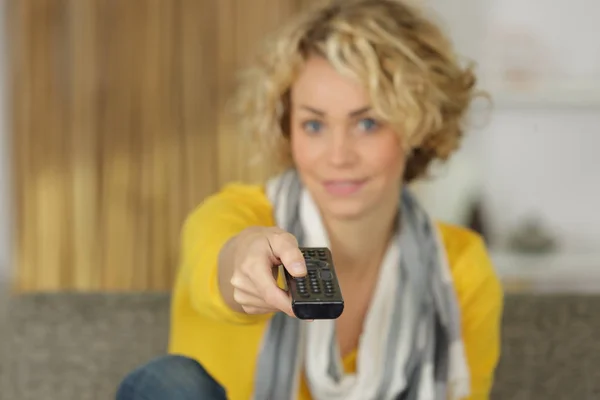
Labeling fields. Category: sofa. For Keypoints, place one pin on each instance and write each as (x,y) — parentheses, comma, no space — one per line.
(73,346)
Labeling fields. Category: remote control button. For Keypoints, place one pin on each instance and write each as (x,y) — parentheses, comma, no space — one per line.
(314,287)
(326,275)
(301,286)
(329,288)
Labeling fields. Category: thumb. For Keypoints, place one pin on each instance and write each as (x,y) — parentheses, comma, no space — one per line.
(285,248)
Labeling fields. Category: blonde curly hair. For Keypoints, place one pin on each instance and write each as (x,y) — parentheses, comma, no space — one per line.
(405,62)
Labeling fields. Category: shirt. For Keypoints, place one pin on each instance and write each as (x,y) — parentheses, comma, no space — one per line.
(227,342)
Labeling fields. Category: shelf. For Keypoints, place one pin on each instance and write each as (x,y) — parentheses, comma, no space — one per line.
(545,100)
(578,94)
(556,273)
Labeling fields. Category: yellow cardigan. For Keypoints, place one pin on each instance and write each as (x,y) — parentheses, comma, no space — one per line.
(226,342)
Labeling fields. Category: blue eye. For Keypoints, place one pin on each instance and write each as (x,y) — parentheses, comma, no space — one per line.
(312,126)
(368,124)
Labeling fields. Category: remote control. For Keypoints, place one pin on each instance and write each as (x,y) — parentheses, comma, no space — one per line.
(316,295)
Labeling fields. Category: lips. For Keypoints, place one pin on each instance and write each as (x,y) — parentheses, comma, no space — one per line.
(344,187)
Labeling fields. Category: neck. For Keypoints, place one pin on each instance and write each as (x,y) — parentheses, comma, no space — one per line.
(359,245)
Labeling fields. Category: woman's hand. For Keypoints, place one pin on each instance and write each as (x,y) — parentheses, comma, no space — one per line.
(248,270)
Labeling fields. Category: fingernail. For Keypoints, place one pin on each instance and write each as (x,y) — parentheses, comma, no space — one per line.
(297,268)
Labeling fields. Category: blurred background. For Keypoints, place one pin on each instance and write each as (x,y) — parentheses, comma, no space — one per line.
(112,129)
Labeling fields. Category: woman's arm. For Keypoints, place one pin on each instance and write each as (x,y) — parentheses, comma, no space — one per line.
(208,230)
(481,302)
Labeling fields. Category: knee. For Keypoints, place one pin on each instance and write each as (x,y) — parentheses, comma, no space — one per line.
(170,377)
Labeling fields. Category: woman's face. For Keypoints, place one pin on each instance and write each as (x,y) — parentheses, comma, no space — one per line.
(351,162)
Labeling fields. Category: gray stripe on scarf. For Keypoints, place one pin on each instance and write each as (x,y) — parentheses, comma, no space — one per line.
(424,294)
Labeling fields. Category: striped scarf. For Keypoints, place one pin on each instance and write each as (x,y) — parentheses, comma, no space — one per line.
(411,346)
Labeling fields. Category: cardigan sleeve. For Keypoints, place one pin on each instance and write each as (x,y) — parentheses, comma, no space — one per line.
(480,299)
(206,230)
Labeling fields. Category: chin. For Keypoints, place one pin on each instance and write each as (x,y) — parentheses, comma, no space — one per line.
(345,209)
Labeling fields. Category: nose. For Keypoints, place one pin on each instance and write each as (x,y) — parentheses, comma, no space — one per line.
(342,150)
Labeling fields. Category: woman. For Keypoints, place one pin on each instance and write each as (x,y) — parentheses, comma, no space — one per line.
(359,97)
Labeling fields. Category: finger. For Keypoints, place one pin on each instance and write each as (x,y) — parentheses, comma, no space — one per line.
(279,299)
(267,289)
(252,304)
(285,247)
(258,310)
(244,298)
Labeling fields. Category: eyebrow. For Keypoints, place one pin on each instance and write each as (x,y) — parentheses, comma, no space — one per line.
(322,113)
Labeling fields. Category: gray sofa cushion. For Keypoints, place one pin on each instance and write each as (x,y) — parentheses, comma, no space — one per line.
(79,346)
(550,348)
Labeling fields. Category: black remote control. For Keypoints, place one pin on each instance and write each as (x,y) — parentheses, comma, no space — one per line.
(316,295)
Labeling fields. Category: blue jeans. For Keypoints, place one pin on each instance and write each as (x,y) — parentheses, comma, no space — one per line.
(170,377)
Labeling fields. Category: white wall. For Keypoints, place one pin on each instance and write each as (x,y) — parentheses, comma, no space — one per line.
(538,157)
(539,162)
(546,163)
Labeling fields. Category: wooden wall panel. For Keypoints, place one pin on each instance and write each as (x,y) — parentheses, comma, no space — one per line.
(119,131)
(240,33)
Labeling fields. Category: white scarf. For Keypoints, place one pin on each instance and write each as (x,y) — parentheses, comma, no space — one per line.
(410,347)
